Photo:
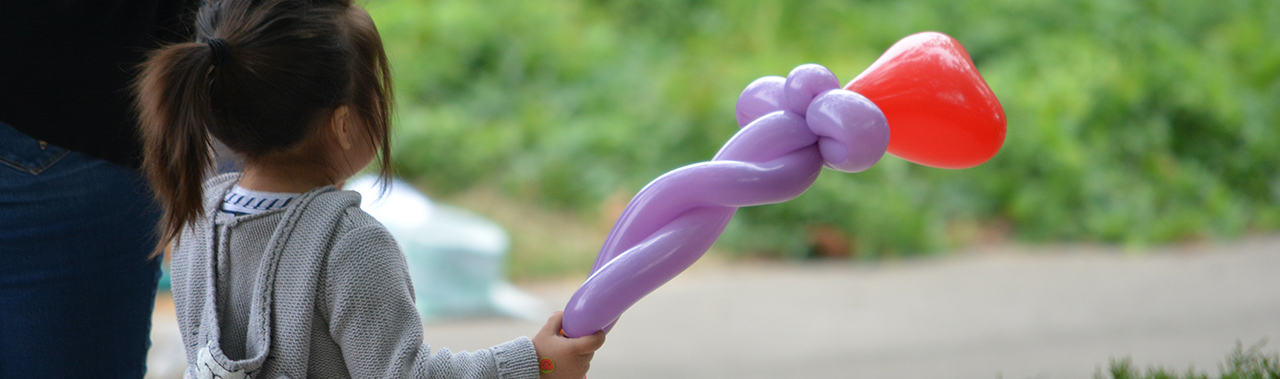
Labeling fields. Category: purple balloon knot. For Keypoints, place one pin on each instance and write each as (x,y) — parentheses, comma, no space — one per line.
(853,132)
(806,82)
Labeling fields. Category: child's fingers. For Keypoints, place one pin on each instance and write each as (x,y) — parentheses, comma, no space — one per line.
(587,344)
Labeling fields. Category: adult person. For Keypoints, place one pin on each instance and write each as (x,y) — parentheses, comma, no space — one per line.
(77,221)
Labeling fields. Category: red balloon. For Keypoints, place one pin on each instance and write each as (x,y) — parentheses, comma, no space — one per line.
(941,112)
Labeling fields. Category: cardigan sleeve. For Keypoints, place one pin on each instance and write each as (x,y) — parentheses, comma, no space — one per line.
(373,319)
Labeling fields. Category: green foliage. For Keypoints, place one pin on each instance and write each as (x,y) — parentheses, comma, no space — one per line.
(1135,122)
(1240,364)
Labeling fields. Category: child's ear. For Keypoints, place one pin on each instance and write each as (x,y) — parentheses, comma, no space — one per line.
(340,122)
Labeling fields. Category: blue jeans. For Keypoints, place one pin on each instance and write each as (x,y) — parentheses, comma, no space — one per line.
(76,286)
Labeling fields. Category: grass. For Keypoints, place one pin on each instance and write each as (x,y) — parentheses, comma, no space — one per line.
(1241,363)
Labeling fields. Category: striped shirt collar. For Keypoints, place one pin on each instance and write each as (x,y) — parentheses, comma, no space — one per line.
(243,201)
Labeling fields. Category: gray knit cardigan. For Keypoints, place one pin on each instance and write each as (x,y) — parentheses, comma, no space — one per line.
(318,289)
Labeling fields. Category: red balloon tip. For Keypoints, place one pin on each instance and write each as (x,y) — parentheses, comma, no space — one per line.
(941,112)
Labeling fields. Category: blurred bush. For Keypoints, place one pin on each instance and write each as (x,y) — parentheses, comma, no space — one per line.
(1134,122)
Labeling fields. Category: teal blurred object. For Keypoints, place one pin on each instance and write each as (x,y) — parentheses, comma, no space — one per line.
(455,257)
(165,279)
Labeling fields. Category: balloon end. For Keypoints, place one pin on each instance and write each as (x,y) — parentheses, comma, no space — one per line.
(953,120)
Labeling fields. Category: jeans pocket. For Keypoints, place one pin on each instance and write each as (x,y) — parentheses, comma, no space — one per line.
(23,153)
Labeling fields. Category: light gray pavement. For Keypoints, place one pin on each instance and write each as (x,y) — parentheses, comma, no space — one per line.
(1011,312)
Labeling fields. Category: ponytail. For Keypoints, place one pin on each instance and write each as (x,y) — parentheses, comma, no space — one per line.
(174,109)
(270,71)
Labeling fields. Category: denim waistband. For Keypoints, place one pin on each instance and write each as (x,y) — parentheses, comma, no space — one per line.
(24,153)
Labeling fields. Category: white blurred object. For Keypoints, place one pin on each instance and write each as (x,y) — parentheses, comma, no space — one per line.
(455,257)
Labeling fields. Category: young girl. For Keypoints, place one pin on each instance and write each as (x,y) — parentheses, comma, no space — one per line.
(276,272)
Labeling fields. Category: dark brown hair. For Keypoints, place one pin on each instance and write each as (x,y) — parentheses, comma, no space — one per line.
(284,67)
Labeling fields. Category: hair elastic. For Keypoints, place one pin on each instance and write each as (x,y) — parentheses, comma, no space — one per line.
(220,49)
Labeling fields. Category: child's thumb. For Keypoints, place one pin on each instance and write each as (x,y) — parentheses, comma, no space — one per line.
(553,324)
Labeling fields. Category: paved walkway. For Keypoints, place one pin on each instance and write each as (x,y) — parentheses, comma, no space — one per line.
(1011,312)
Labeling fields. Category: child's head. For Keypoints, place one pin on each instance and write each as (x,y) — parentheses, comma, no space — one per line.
(275,80)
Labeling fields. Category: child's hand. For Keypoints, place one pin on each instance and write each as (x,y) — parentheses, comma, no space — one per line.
(569,357)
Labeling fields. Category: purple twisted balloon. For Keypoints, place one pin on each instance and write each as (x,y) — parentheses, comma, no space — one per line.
(793,127)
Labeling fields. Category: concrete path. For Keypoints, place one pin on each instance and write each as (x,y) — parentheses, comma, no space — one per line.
(1011,312)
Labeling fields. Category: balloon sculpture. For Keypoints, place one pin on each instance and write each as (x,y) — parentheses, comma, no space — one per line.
(922,101)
